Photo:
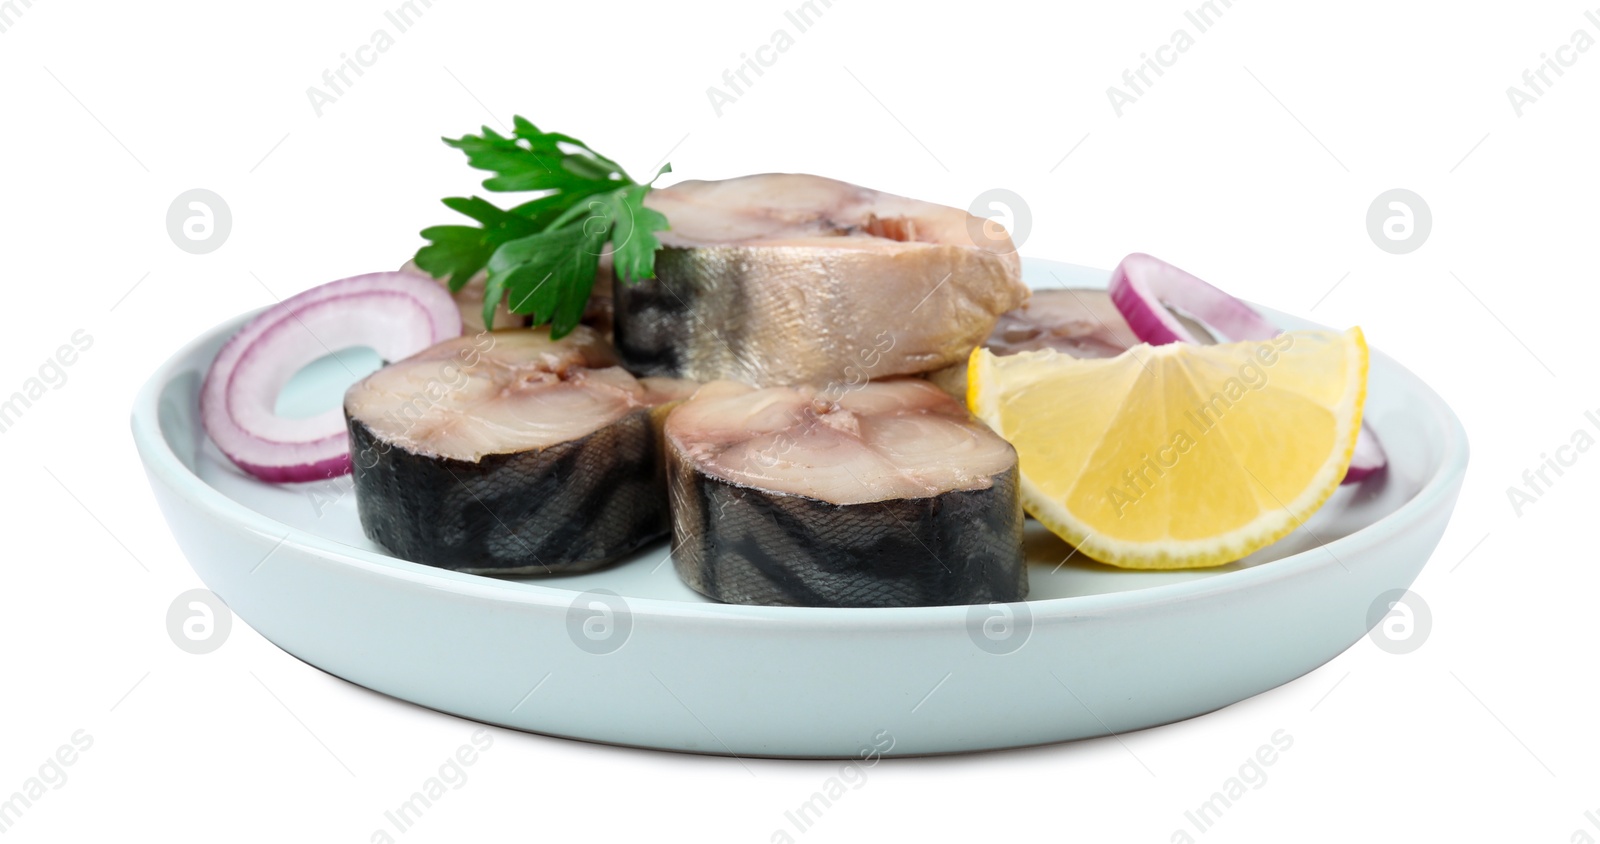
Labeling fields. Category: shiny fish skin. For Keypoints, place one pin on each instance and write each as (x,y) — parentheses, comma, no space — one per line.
(787,279)
(568,508)
(743,545)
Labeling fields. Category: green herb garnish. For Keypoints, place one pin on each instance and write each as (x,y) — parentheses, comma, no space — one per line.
(542,255)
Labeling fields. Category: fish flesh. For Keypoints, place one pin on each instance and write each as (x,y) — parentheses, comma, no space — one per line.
(469,299)
(1078,322)
(781,279)
(888,494)
(1081,322)
(507,452)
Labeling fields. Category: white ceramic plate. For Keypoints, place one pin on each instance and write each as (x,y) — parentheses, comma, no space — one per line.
(629,655)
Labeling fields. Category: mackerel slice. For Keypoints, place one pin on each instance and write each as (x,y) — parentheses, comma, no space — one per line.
(1081,322)
(785,279)
(507,452)
(887,495)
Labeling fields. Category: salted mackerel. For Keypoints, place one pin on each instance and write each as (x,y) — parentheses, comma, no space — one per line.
(506,452)
(1081,322)
(784,279)
(885,495)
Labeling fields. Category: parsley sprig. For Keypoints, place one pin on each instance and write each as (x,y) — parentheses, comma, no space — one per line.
(542,255)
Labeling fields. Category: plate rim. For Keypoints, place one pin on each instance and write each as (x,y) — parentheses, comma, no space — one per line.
(163,464)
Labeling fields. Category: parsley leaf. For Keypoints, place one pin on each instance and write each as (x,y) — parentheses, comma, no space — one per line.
(548,275)
(535,160)
(542,255)
(459,252)
(633,240)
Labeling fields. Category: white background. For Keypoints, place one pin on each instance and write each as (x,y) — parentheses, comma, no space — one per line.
(1251,162)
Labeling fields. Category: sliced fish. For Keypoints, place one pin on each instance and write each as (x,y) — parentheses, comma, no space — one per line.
(783,279)
(884,495)
(1080,322)
(508,453)
(469,299)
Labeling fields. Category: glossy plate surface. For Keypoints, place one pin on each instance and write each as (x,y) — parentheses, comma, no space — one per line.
(628,655)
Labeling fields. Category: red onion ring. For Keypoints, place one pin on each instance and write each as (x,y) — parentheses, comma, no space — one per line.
(1145,288)
(1368,458)
(397,314)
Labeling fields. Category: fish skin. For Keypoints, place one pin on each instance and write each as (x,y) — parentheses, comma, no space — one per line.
(743,545)
(517,513)
(783,278)
(774,315)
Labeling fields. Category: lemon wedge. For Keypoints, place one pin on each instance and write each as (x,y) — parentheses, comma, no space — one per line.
(1180,455)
